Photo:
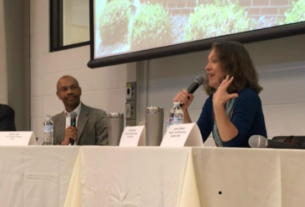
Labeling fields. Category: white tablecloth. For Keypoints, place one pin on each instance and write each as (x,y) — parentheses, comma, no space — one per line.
(150,177)
(250,177)
(35,176)
(146,177)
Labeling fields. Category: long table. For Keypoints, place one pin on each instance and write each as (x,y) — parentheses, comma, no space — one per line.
(151,177)
(35,176)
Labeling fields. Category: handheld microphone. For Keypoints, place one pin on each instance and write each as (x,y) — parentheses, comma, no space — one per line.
(257,141)
(193,87)
(197,82)
(73,116)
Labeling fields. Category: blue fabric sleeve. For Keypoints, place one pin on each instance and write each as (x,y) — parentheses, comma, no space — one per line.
(242,118)
(204,121)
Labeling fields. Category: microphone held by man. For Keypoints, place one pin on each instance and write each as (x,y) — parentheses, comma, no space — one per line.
(71,131)
(73,116)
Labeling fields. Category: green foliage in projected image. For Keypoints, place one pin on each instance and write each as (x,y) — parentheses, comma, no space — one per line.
(150,27)
(114,21)
(296,13)
(216,19)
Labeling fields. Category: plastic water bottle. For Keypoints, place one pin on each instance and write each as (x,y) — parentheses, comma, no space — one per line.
(176,115)
(48,131)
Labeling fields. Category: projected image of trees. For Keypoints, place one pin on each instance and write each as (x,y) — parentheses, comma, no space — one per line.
(133,25)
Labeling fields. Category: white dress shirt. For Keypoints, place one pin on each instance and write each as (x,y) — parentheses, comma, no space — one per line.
(68,116)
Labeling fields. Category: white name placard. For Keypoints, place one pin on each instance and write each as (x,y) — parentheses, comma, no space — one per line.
(182,135)
(17,138)
(133,136)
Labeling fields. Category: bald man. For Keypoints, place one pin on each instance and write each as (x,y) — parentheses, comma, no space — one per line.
(91,124)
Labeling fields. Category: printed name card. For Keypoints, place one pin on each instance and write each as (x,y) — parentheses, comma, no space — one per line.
(133,136)
(182,135)
(17,138)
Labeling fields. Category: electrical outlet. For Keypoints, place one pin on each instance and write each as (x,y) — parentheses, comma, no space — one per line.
(131,91)
(130,110)
(127,110)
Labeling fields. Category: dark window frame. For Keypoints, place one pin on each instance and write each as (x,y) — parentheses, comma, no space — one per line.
(56,28)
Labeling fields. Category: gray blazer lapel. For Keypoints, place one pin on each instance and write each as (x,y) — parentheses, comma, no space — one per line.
(82,121)
(59,128)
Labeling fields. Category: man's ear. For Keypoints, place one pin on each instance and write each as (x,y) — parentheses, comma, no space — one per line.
(80,91)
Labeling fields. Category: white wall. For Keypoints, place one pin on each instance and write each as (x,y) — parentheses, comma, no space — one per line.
(17,49)
(102,88)
(76,21)
(281,66)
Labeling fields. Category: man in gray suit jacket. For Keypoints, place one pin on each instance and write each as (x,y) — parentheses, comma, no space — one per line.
(91,124)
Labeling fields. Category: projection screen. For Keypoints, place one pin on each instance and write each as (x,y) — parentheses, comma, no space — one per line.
(132,30)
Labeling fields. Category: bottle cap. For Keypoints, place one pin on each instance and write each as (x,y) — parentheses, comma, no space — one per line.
(115,115)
